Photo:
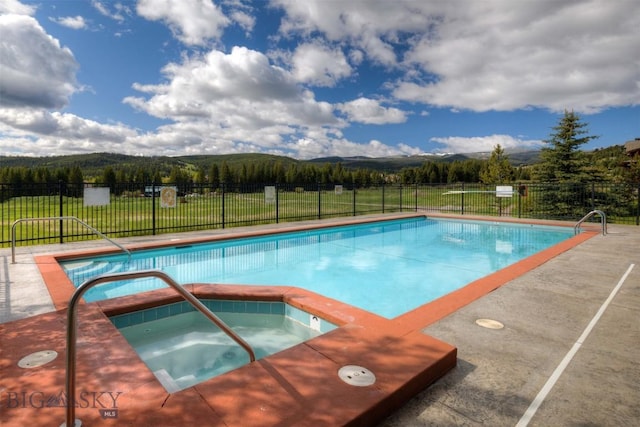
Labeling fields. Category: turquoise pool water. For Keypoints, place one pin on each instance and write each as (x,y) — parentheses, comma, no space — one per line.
(183,348)
(386,267)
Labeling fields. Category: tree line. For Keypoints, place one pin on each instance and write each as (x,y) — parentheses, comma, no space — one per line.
(430,172)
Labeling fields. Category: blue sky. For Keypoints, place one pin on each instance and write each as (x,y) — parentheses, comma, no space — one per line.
(313,78)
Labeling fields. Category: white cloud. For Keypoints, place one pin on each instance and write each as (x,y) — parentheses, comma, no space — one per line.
(73,22)
(117,12)
(63,125)
(43,132)
(369,111)
(492,54)
(239,102)
(356,56)
(193,22)
(319,65)
(28,119)
(309,148)
(220,99)
(240,89)
(240,12)
(36,71)
(15,7)
(479,144)
(246,21)
(101,8)
(554,55)
(372,26)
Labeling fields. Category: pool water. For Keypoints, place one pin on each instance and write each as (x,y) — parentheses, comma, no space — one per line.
(182,347)
(386,267)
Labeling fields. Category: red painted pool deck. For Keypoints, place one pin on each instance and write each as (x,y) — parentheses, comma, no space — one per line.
(296,387)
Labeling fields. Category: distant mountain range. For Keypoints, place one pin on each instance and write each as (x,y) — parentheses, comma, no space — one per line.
(396,163)
(92,164)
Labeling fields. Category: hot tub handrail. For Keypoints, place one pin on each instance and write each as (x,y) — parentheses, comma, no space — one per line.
(58,218)
(70,380)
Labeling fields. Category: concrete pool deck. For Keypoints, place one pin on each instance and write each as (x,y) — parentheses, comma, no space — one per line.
(499,372)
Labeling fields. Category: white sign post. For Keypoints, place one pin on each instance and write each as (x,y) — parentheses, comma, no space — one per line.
(96,196)
(269,194)
(504,191)
(168,196)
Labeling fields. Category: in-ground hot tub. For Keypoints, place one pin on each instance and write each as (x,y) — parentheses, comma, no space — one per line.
(183,348)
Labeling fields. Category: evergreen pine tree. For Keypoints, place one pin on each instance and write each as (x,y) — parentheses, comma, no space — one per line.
(497,170)
(561,160)
(563,168)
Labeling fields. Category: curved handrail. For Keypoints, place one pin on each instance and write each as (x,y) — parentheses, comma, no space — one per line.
(57,218)
(72,312)
(603,220)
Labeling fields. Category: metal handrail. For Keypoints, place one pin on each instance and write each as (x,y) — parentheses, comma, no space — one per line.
(57,218)
(70,381)
(603,220)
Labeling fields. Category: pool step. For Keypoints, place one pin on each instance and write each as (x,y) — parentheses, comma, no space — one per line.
(91,269)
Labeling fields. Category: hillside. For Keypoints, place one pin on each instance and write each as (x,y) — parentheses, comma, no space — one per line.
(94,164)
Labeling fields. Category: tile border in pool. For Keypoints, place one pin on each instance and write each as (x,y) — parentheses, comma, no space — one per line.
(220,306)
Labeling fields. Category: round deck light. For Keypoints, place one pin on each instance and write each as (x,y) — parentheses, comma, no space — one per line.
(38,358)
(356,375)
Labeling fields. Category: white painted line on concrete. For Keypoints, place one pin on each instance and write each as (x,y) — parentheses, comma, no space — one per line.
(533,408)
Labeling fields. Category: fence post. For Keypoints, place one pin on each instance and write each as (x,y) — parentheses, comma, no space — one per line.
(519,201)
(277,205)
(354,199)
(153,208)
(416,198)
(400,190)
(61,213)
(319,204)
(223,197)
(462,200)
(383,197)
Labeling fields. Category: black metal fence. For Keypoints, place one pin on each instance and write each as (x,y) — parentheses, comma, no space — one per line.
(133,210)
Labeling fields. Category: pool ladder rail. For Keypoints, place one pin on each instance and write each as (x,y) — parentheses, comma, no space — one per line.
(603,220)
(72,312)
(59,218)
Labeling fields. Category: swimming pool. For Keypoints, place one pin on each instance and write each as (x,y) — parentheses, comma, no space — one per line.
(183,348)
(386,267)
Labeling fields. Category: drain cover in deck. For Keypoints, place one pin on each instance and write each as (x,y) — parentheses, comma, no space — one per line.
(489,323)
(38,358)
(356,375)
